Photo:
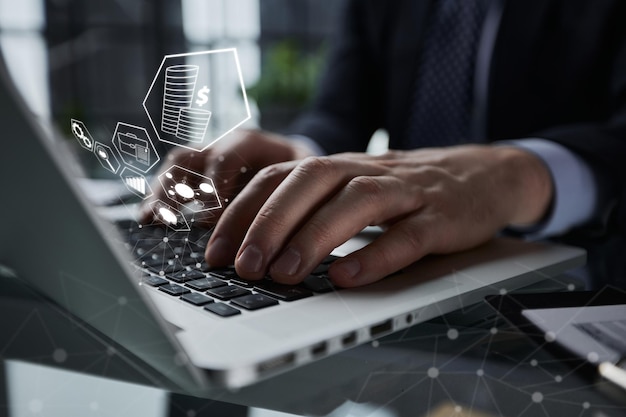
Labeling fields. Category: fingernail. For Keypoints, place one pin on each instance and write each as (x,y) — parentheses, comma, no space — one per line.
(347,269)
(288,262)
(250,260)
(219,250)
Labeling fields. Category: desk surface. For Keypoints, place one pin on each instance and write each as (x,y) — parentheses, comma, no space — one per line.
(439,368)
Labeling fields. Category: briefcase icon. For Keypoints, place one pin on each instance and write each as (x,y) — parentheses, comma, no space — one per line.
(133,146)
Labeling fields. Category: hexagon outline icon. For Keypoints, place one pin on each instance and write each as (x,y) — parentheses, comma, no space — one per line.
(107,157)
(136,183)
(170,192)
(163,67)
(184,225)
(143,151)
(84,138)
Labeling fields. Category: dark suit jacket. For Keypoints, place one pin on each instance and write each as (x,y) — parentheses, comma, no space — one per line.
(558,71)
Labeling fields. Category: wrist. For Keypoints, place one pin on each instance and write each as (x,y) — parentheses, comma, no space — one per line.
(531,185)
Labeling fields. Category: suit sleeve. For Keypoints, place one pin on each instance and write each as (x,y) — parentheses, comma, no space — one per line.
(344,111)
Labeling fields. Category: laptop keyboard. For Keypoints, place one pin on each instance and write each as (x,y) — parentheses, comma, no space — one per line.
(609,333)
(174,263)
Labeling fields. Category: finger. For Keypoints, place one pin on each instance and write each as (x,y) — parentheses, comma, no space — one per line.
(402,244)
(308,186)
(229,172)
(237,217)
(362,202)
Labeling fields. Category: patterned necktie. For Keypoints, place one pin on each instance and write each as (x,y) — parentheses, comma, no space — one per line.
(440,113)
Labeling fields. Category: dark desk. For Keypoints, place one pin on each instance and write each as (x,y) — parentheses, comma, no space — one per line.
(439,368)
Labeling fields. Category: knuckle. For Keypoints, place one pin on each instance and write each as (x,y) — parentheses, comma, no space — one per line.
(317,166)
(413,240)
(270,173)
(367,188)
(270,221)
(318,233)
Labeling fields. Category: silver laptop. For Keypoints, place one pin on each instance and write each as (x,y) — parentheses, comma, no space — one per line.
(54,239)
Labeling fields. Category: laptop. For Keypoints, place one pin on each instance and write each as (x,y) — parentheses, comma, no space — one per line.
(53,237)
(588,326)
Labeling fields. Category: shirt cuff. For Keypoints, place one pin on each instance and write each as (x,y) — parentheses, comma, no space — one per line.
(575,188)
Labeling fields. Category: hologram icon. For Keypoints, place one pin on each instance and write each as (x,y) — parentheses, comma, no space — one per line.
(178,102)
(80,132)
(136,183)
(107,157)
(135,147)
(172,217)
(178,118)
(190,189)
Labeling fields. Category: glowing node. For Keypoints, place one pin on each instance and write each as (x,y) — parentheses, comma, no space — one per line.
(593,357)
(571,287)
(503,291)
(168,175)
(243,170)
(453,334)
(433,372)
(480,372)
(493,330)
(122,301)
(206,188)
(375,343)
(586,405)
(184,190)
(168,216)
(537,397)
(166,239)
(59,355)
(221,158)
(550,337)
(458,409)
(558,378)
(534,362)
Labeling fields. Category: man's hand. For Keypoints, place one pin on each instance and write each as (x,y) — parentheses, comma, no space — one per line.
(230,163)
(293,214)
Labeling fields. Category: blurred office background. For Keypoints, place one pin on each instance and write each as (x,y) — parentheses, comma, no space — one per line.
(95,60)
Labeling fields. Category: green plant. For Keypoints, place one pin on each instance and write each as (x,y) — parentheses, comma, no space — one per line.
(288,76)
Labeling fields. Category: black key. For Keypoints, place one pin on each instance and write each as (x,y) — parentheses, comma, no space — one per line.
(222,309)
(204,284)
(167,269)
(173,289)
(155,281)
(281,291)
(318,283)
(321,269)
(228,292)
(196,299)
(254,301)
(242,282)
(329,259)
(201,266)
(184,276)
(223,273)
(156,262)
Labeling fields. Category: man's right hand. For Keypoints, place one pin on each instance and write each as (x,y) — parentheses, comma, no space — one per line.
(230,163)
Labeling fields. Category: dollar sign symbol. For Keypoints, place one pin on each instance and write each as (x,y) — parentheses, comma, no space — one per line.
(202,96)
